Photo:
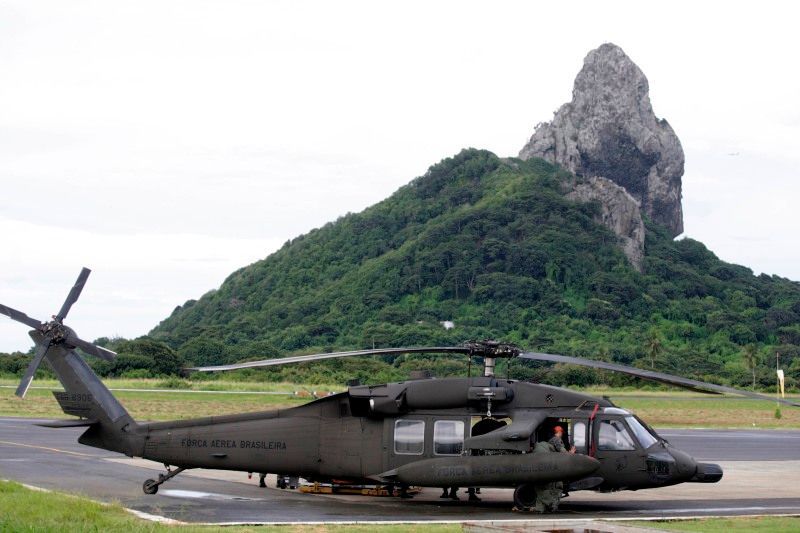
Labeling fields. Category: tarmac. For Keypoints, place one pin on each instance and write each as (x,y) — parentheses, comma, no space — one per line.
(761,471)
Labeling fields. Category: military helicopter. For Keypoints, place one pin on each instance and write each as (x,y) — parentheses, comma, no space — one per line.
(452,432)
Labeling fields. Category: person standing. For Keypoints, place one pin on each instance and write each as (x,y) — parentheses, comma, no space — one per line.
(557,440)
(548,495)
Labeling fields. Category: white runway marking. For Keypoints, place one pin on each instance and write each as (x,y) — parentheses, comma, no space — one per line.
(155,518)
(204,495)
(734,509)
(46,448)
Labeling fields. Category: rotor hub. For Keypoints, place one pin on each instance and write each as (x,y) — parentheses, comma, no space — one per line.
(57,332)
(492,349)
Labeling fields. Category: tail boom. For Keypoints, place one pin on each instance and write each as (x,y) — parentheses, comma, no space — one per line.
(85,396)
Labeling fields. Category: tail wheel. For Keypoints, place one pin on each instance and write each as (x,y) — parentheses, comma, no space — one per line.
(525,496)
(150,486)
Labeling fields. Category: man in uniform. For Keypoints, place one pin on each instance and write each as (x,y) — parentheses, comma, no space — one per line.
(548,495)
(557,440)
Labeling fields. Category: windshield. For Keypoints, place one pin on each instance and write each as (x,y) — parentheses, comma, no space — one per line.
(645,438)
(614,436)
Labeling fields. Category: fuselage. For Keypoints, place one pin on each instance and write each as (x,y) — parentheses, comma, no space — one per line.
(435,432)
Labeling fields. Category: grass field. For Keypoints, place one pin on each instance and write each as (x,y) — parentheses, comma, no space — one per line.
(175,399)
(686,409)
(23,509)
(168,403)
(778,524)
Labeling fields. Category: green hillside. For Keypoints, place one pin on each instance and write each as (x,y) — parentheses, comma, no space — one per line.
(494,246)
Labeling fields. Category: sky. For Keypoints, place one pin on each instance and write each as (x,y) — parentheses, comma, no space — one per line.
(165,144)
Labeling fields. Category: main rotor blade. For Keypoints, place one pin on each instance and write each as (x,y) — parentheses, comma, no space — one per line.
(92,349)
(332,355)
(19,316)
(31,371)
(651,375)
(73,295)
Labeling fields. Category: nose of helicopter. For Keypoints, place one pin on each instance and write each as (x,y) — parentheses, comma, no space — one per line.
(688,469)
(707,473)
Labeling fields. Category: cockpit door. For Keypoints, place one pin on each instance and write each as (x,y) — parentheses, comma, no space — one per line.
(622,460)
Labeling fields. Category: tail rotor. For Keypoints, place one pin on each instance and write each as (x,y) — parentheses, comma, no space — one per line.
(41,351)
(55,333)
(73,295)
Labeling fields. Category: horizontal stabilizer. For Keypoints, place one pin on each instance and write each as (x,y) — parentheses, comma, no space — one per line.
(77,404)
(71,423)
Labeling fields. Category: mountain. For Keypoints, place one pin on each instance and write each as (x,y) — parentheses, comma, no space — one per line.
(568,248)
(503,249)
(609,133)
(609,130)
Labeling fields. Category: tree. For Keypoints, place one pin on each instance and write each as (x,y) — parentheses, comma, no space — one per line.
(145,352)
(653,346)
(203,351)
(751,360)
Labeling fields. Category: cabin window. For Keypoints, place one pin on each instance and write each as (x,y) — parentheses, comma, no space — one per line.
(614,436)
(579,436)
(409,437)
(448,437)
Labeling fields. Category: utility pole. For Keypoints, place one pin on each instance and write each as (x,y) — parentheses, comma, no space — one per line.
(778,370)
(778,378)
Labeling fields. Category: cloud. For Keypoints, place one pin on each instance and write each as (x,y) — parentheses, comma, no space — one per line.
(137,280)
(167,151)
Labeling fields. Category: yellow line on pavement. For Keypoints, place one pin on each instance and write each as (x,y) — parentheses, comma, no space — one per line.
(46,448)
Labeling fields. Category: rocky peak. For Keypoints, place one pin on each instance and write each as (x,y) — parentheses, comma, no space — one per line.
(619,212)
(609,130)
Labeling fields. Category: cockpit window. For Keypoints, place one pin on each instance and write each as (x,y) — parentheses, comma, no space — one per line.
(614,436)
(645,438)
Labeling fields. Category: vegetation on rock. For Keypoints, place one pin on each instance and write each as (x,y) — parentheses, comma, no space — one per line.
(494,246)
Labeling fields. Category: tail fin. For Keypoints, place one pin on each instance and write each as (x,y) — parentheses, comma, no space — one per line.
(84,395)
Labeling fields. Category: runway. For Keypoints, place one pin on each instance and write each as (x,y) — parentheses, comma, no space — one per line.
(761,469)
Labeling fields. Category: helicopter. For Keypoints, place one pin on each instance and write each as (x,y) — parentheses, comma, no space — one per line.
(476,431)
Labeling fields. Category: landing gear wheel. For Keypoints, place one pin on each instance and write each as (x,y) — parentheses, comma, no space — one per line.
(150,486)
(525,496)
